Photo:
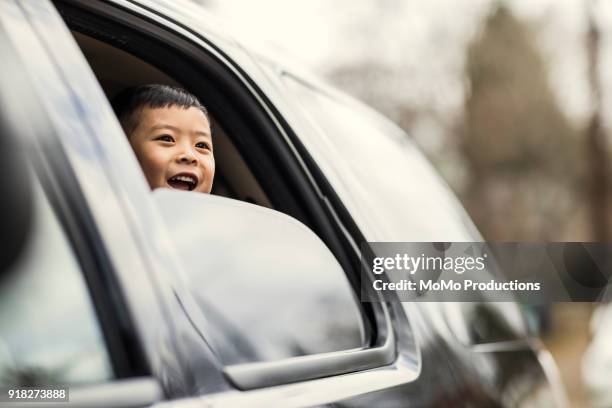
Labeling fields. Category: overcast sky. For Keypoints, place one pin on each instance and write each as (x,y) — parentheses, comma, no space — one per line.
(424,39)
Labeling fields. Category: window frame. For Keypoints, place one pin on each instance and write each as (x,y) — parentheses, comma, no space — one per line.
(76,222)
(301,178)
(38,138)
(49,162)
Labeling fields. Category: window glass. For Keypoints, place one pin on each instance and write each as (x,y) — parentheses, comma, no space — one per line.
(390,188)
(49,333)
(380,175)
(268,286)
(482,323)
(279,316)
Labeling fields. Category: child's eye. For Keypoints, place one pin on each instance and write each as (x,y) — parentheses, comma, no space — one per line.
(165,138)
(202,145)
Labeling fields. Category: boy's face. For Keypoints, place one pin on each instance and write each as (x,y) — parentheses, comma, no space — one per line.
(174,148)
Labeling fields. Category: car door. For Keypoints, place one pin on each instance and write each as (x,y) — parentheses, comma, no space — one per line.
(387,360)
(130,270)
(54,109)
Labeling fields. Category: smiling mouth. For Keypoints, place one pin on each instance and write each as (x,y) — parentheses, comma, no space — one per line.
(183,182)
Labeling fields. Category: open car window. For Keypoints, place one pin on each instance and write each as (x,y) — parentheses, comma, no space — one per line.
(116,70)
(262,316)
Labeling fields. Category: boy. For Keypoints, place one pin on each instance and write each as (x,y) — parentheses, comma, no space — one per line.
(169,130)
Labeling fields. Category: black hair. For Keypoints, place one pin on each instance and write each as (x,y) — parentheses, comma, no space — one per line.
(129,102)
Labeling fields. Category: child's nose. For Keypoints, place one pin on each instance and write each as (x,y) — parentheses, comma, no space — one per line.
(186,155)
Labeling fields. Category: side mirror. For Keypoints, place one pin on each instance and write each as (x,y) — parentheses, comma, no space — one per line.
(264,274)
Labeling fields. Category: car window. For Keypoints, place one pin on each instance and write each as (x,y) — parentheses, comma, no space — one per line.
(268,317)
(49,333)
(271,316)
(378,172)
(391,188)
(482,323)
(268,287)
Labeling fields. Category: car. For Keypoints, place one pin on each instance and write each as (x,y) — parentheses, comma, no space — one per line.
(249,296)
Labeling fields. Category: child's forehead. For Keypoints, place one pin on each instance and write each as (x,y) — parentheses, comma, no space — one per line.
(172,115)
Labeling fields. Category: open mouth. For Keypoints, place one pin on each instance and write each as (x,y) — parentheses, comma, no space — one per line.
(185,182)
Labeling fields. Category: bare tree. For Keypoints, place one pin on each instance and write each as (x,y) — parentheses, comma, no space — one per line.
(596,149)
(523,154)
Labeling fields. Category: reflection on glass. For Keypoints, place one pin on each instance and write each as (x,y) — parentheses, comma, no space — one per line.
(482,323)
(48,328)
(267,285)
(375,168)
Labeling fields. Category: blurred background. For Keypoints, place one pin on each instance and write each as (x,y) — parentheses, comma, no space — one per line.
(510,100)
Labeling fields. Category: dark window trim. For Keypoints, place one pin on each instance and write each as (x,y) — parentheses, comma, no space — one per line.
(329,220)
